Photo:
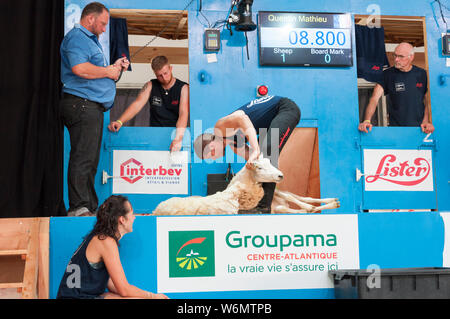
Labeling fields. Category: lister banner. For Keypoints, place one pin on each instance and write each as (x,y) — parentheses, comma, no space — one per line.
(231,253)
(398,170)
(150,172)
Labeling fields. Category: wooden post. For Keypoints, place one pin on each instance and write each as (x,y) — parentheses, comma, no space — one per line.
(31,264)
(43,271)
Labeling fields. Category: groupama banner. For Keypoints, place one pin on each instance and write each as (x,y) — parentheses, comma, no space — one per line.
(230,253)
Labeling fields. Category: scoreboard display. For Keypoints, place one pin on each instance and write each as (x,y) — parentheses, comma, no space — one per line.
(305,39)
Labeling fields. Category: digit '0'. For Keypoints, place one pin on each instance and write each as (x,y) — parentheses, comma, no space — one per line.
(291,37)
(340,33)
(328,38)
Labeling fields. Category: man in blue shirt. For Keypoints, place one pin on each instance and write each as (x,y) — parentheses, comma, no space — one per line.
(88,91)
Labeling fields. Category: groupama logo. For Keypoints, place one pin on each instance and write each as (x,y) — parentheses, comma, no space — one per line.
(191,254)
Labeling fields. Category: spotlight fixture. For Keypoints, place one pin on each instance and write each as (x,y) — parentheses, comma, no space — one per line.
(242,17)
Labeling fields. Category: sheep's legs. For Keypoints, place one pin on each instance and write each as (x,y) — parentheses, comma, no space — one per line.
(304,203)
(282,209)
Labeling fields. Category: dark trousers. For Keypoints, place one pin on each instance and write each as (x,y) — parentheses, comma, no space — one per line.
(281,128)
(84,120)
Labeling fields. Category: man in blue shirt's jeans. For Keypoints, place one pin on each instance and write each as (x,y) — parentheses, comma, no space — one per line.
(88,90)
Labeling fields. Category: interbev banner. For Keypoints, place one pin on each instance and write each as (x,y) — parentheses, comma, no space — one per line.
(150,172)
(230,253)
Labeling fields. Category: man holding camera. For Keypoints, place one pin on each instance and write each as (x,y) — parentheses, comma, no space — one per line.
(88,91)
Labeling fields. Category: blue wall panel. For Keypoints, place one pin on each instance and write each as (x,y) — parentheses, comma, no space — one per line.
(401,240)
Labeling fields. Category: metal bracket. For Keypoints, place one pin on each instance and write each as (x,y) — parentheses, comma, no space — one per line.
(360,208)
(360,174)
(105,177)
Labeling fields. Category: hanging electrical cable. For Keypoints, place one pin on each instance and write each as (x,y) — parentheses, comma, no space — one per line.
(159,33)
(442,13)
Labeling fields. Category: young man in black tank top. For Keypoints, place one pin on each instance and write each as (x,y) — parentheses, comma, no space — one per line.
(169,102)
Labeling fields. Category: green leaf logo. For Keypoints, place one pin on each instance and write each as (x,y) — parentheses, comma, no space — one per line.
(191,254)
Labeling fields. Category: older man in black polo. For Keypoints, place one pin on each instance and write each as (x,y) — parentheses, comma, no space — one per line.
(406,86)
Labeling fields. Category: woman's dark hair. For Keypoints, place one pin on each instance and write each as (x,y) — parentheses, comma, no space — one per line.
(108,217)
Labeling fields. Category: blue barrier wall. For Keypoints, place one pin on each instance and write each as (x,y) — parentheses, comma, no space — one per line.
(388,240)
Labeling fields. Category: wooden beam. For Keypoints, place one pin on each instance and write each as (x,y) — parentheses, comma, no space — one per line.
(43,270)
(11,285)
(180,27)
(390,17)
(122,12)
(31,263)
(167,34)
(13,252)
(151,22)
(176,55)
(399,28)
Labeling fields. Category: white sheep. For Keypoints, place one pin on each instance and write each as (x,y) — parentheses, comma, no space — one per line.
(242,193)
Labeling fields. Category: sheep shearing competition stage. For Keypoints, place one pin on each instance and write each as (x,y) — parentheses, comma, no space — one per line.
(388,190)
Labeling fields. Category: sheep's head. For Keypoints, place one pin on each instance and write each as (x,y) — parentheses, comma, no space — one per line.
(264,171)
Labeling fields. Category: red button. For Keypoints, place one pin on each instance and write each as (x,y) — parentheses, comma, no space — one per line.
(262,90)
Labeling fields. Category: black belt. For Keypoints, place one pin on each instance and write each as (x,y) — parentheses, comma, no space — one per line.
(89,103)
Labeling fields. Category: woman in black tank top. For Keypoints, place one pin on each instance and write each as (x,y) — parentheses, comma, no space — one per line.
(95,266)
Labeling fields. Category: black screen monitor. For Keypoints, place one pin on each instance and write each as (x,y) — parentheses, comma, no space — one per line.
(305,39)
